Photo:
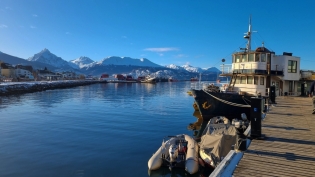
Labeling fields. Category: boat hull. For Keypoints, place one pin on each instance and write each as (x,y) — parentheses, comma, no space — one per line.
(209,106)
(191,160)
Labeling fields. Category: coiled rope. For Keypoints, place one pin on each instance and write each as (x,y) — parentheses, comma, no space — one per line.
(227,102)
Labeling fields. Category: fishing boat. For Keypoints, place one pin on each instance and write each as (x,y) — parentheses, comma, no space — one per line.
(180,151)
(194,79)
(258,72)
(216,141)
(149,79)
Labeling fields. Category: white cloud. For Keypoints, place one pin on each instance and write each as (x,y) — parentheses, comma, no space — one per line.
(163,49)
(33,27)
(187,63)
(161,54)
(3,26)
(34,15)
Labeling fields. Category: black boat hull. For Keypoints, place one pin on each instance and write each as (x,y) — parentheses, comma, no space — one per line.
(209,106)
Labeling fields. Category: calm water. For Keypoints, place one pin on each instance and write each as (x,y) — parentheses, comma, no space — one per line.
(98,130)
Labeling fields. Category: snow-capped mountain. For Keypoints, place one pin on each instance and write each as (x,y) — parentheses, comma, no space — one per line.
(172,66)
(81,62)
(45,56)
(20,61)
(128,61)
(192,69)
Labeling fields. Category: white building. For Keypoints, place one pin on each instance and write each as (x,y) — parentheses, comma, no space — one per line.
(255,71)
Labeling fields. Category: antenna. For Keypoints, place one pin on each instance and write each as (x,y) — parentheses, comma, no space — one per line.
(248,34)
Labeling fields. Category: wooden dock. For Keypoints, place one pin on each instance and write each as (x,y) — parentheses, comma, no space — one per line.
(289,146)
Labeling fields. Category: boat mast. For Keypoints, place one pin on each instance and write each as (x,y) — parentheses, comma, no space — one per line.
(248,35)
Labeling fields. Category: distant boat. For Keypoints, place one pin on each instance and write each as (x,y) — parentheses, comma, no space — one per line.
(194,79)
(149,79)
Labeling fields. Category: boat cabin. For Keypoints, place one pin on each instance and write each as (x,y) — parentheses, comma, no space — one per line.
(254,72)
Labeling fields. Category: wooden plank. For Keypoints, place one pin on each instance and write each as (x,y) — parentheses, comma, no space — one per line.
(289,149)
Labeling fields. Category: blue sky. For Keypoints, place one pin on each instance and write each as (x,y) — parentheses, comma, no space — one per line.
(199,33)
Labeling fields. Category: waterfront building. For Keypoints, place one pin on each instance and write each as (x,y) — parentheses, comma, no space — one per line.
(24,72)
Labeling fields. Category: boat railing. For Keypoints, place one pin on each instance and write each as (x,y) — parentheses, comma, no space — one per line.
(251,68)
(205,84)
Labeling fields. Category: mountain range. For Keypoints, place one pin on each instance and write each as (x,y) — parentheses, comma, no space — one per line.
(110,65)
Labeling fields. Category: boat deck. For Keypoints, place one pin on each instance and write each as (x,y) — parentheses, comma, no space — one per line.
(289,145)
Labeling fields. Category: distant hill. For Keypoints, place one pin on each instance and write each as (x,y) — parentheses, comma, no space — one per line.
(127,61)
(81,62)
(45,56)
(16,60)
(111,65)
(194,69)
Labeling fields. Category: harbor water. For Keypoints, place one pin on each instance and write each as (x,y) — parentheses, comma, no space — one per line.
(97,130)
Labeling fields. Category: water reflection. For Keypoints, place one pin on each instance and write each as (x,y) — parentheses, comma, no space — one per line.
(61,132)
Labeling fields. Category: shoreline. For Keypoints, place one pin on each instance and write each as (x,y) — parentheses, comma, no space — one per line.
(12,88)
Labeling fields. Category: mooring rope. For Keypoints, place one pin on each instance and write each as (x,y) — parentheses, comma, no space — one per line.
(227,102)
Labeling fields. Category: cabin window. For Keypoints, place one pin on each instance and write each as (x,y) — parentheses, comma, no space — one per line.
(292,65)
(262,81)
(243,58)
(256,80)
(243,80)
(257,57)
(251,57)
(263,57)
(238,80)
(249,79)
(238,58)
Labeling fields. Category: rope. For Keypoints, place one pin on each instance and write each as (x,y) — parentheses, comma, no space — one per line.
(244,99)
(230,103)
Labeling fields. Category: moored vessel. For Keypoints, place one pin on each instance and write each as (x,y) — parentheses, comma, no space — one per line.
(216,141)
(180,151)
(258,72)
(149,79)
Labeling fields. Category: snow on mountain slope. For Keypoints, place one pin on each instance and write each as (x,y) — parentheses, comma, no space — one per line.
(172,66)
(192,69)
(81,62)
(16,60)
(128,61)
(45,56)
(185,67)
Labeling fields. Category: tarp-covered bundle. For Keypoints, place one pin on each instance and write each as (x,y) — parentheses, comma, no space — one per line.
(217,141)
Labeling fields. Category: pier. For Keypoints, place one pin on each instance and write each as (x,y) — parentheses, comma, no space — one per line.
(10,88)
(288,148)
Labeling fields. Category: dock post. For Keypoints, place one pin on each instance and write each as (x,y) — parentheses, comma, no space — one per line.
(273,94)
(240,140)
(256,109)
